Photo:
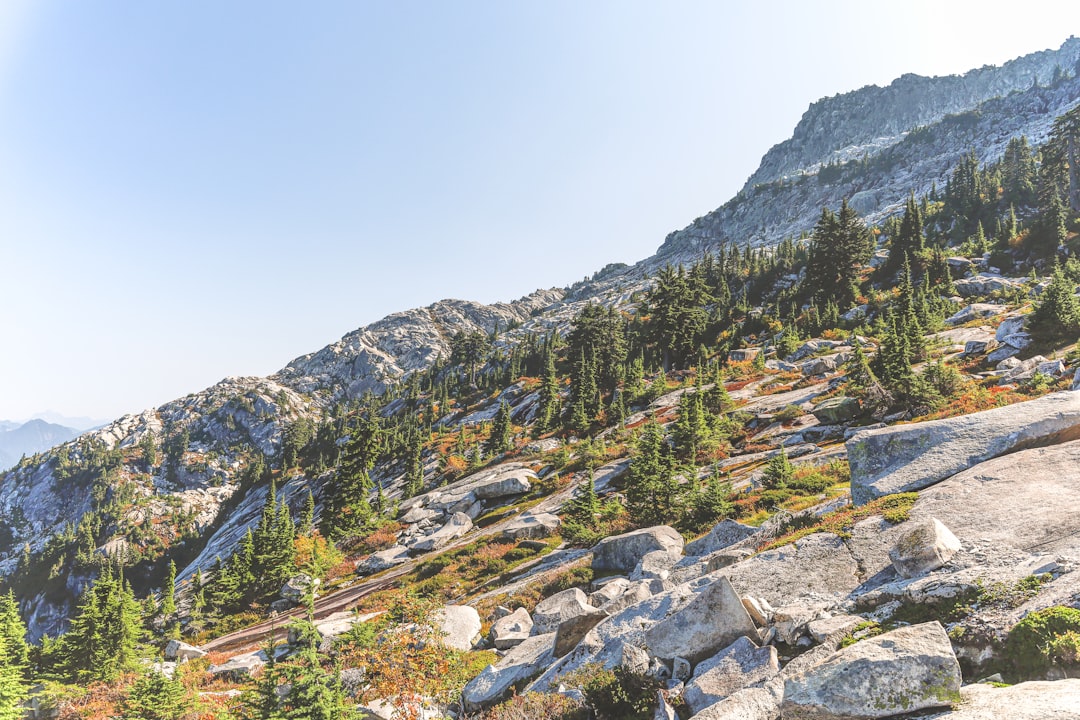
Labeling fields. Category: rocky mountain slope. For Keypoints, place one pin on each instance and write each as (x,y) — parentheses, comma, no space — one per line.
(886,142)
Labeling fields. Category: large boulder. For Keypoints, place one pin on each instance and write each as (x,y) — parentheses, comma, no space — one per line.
(622,553)
(723,534)
(836,410)
(531,526)
(455,527)
(179,650)
(1025,701)
(552,612)
(911,457)
(909,669)
(818,565)
(511,630)
(714,619)
(571,631)
(924,547)
(383,560)
(459,624)
(240,667)
(296,589)
(737,666)
(519,664)
(748,704)
(975,311)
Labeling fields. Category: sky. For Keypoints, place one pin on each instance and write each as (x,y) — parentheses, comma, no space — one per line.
(198,189)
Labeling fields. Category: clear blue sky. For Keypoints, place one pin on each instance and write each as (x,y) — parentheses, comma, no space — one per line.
(190,190)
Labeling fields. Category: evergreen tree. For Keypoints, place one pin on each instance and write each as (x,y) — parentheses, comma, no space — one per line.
(262,701)
(13,686)
(691,430)
(103,637)
(778,471)
(1058,313)
(307,515)
(156,697)
(651,488)
(679,316)
(585,505)
(714,504)
(502,432)
(909,241)
(840,246)
(168,592)
(547,415)
(13,630)
(414,469)
(347,509)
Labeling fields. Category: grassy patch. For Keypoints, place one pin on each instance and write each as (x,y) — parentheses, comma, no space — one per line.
(893,508)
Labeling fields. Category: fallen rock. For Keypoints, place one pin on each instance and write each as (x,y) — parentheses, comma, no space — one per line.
(923,548)
(634,659)
(623,552)
(519,664)
(656,565)
(571,631)
(460,626)
(663,711)
(511,630)
(296,589)
(974,312)
(383,560)
(836,410)
(912,457)
(455,527)
(1010,326)
(179,650)
(744,354)
(723,534)
(819,565)
(241,667)
(792,620)
(553,611)
(714,619)
(629,596)
(1025,701)
(531,526)
(824,628)
(748,704)
(905,670)
(737,666)
(1025,370)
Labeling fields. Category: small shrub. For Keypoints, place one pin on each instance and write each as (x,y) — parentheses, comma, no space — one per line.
(616,694)
(538,706)
(1042,639)
(789,414)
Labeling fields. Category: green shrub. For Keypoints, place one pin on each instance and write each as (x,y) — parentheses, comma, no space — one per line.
(1042,639)
(616,694)
(538,706)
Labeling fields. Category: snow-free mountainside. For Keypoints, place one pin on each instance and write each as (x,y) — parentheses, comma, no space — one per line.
(816,458)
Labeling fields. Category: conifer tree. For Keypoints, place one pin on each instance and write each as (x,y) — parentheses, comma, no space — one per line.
(307,515)
(13,685)
(1058,314)
(348,507)
(714,504)
(840,246)
(651,488)
(168,592)
(13,630)
(585,506)
(502,432)
(778,471)
(691,430)
(156,697)
(414,469)
(548,413)
(103,637)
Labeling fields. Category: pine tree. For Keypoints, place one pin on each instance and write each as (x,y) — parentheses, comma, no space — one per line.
(502,432)
(585,505)
(414,469)
(840,246)
(691,430)
(13,630)
(347,509)
(13,686)
(909,240)
(168,592)
(778,471)
(548,413)
(156,697)
(307,515)
(104,635)
(651,488)
(714,504)
(1058,313)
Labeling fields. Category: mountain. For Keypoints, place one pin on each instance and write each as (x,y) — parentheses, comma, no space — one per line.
(879,144)
(189,482)
(31,437)
(80,423)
